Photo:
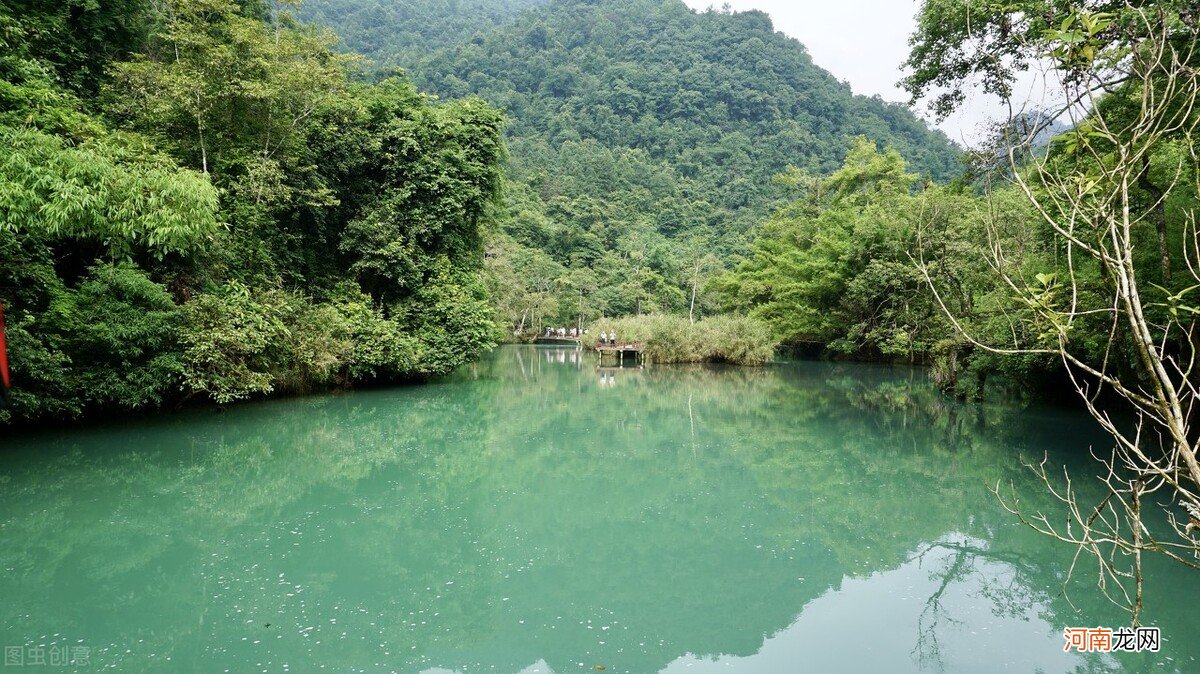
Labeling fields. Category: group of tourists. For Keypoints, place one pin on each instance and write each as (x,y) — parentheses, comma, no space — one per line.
(606,338)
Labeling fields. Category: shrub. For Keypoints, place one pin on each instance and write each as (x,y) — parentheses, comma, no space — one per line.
(119,329)
(242,342)
(236,341)
(379,347)
(110,343)
(450,317)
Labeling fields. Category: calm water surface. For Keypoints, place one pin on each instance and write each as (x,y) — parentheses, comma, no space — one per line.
(536,514)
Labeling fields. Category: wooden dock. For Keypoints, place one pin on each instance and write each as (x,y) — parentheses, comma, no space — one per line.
(619,352)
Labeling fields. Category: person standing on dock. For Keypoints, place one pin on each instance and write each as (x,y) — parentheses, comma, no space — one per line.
(612,338)
(603,339)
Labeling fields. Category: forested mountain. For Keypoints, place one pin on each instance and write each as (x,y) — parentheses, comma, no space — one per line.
(401,31)
(713,93)
(644,142)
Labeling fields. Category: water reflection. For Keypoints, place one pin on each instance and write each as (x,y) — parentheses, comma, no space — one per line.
(573,356)
(940,595)
(520,517)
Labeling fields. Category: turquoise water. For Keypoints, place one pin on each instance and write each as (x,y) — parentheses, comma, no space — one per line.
(536,514)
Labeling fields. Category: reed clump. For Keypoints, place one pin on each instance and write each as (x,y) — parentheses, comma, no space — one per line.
(739,340)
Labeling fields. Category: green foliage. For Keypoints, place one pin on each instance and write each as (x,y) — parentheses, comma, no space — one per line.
(674,339)
(280,226)
(380,349)
(74,39)
(210,63)
(959,44)
(1101,50)
(205,198)
(833,269)
(442,167)
(526,286)
(450,317)
(235,341)
(643,137)
(120,329)
(113,191)
(866,265)
(109,344)
(242,342)
(403,32)
(710,93)
(28,93)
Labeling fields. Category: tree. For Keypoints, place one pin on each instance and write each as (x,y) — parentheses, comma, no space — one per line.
(438,169)
(225,90)
(960,44)
(701,265)
(832,269)
(1133,67)
(200,206)
(113,190)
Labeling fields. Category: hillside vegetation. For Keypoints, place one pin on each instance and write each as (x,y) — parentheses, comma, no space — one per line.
(644,140)
(401,32)
(200,199)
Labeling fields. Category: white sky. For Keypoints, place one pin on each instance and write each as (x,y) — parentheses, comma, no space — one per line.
(863,42)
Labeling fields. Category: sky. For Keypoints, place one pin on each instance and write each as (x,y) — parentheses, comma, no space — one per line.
(863,42)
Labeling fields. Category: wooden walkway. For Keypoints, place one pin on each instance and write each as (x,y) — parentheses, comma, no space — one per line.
(619,352)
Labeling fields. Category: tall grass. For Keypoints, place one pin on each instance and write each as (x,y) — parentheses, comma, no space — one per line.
(673,339)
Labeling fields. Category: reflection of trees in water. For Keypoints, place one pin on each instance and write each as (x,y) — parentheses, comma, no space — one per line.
(1007,582)
(928,650)
(1015,586)
(680,506)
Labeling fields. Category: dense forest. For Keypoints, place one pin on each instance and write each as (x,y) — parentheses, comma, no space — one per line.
(644,139)
(202,198)
(663,160)
(401,32)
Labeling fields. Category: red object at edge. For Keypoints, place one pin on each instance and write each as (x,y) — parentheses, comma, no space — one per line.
(5,382)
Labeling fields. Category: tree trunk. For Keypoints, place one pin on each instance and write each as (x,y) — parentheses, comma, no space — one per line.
(1158,216)
(692,309)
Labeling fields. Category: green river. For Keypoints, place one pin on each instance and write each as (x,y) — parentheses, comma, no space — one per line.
(534,513)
